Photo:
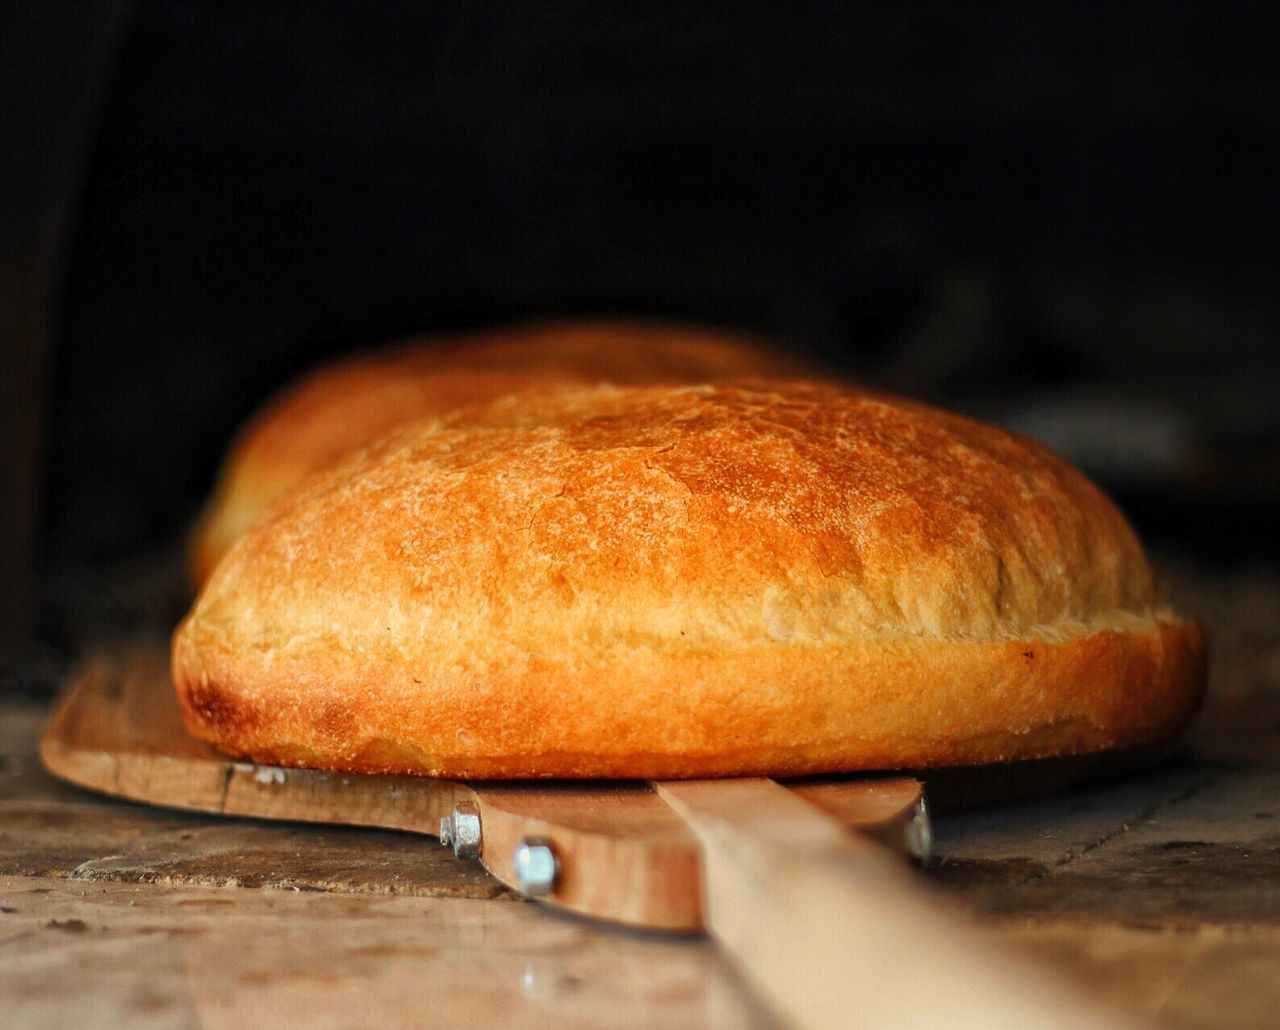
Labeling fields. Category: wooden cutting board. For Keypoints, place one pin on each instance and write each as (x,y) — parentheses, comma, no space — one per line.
(624,855)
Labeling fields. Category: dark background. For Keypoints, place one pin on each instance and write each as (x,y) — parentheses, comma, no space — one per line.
(1059,218)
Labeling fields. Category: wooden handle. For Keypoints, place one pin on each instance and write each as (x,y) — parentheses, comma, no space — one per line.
(835,932)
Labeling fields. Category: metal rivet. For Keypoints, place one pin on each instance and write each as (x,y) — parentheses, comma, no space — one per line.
(918,834)
(460,829)
(537,866)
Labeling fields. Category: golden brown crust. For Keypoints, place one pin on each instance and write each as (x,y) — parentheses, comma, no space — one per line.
(686,582)
(319,418)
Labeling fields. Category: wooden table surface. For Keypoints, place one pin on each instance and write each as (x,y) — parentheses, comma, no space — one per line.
(1159,894)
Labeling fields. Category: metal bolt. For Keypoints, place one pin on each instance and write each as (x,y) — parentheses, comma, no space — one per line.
(460,829)
(537,866)
(918,834)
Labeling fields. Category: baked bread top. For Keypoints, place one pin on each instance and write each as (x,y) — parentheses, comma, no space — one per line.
(339,406)
(753,579)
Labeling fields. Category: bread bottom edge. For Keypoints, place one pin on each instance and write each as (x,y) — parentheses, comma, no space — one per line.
(854,709)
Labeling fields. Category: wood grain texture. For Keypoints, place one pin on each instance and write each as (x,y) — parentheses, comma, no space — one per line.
(624,855)
(174,956)
(48,828)
(836,934)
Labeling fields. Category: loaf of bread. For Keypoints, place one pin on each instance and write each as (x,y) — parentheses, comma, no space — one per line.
(758,579)
(319,418)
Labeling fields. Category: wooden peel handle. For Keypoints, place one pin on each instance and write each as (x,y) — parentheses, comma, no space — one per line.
(834,931)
